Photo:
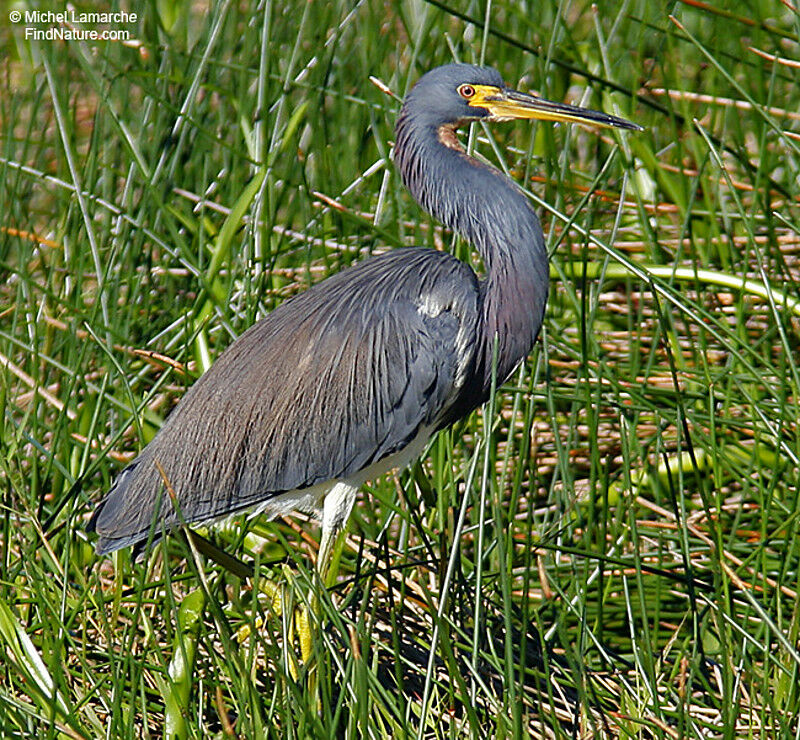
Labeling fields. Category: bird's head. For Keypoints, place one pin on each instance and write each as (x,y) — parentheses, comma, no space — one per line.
(457,93)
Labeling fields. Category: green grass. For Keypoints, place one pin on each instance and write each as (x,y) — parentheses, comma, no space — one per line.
(609,549)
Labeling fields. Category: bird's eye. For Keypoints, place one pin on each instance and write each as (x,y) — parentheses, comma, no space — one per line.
(466,91)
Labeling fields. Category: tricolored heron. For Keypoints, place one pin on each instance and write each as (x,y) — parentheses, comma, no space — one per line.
(352,377)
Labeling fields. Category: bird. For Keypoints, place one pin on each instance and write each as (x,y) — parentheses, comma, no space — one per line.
(352,377)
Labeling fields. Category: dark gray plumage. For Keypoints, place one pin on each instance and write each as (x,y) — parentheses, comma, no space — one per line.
(351,377)
(264,419)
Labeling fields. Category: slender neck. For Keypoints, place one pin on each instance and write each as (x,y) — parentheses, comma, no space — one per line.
(490,211)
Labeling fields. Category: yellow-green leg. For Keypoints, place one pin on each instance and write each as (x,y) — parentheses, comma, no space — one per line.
(337,506)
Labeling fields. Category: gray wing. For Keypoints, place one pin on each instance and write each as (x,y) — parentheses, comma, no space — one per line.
(329,383)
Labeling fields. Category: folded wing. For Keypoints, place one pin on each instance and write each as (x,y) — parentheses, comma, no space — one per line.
(331,382)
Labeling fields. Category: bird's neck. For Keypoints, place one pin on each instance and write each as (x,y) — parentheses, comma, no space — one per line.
(489,210)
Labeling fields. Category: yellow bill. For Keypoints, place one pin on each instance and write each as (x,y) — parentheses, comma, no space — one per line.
(504,105)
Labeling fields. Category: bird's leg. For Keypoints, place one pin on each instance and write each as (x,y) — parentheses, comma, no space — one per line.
(330,550)
(336,511)
(336,508)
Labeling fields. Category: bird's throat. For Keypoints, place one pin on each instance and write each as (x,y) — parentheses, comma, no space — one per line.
(448,136)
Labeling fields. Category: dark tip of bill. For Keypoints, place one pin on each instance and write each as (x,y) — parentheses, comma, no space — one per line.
(629,125)
(622,123)
(602,118)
